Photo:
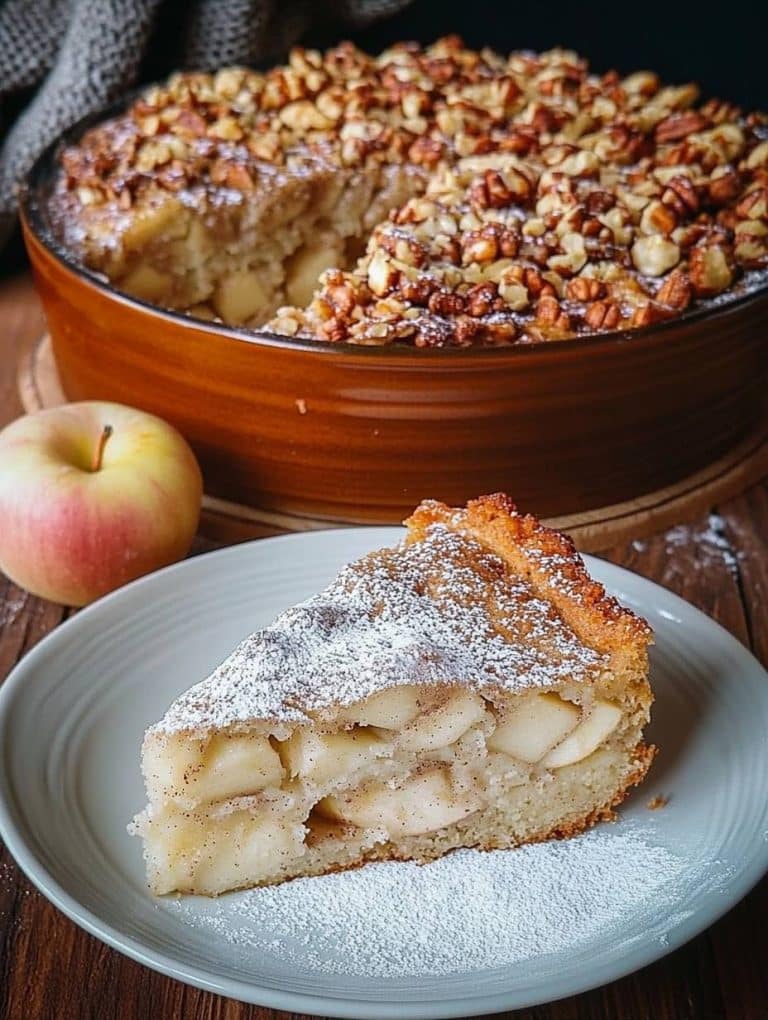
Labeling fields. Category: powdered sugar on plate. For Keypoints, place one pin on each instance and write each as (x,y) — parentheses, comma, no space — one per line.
(468,911)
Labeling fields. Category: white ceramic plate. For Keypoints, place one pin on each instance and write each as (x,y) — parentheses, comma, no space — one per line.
(72,716)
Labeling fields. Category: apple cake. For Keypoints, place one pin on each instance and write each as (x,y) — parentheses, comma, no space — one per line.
(470,687)
(430,196)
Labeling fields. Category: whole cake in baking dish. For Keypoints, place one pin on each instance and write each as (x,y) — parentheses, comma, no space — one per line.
(431,196)
(471,686)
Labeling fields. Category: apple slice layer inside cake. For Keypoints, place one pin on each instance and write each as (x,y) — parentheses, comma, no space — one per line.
(470,687)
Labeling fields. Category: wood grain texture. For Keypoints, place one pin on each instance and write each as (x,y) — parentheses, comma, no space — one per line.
(50,969)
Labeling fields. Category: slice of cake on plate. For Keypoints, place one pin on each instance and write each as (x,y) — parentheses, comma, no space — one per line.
(470,687)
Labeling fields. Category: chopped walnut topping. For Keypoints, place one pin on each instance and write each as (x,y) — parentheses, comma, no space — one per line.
(654,255)
(709,270)
(547,201)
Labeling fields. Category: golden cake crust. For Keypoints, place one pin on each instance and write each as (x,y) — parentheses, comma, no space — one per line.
(549,560)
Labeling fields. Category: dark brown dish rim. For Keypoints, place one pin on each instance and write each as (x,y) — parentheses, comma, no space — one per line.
(36,190)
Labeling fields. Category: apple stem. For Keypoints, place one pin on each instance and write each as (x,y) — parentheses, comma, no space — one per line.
(106,432)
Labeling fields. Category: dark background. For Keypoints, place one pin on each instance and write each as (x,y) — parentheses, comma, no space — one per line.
(722,45)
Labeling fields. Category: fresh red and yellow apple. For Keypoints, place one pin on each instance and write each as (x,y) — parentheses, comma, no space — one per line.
(93,495)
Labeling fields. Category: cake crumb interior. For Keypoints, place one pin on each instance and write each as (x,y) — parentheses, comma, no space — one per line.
(410,768)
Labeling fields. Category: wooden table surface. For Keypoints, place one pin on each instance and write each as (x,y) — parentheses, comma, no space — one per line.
(50,968)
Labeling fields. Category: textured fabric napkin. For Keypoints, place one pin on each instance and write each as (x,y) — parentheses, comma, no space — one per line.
(63,59)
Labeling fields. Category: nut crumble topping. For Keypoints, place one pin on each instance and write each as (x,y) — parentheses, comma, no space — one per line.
(536,200)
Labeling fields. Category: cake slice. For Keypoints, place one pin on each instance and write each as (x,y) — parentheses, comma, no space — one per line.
(470,687)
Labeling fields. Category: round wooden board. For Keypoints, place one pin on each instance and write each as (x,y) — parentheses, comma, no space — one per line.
(225,522)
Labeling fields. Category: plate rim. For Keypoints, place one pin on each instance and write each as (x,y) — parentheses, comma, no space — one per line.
(325,1005)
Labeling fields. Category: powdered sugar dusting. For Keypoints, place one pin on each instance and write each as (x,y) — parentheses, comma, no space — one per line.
(466,912)
(442,610)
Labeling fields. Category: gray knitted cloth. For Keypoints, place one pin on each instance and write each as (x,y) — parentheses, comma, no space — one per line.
(74,56)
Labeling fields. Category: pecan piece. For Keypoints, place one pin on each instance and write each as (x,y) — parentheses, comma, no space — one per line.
(495,191)
(676,291)
(598,201)
(341,298)
(535,283)
(238,177)
(679,125)
(466,329)
(450,250)
(680,195)
(658,218)
(441,70)
(425,151)
(499,333)
(726,218)
(520,141)
(754,205)
(603,315)
(480,246)
(545,120)
(549,313)
(433,333)
(332,330)
(191,122)
(719,111)
(509,243)
(584,288)
(444,303)
(411,252)
(593,227)
(173,177)
(382,276)
(690,234)
(725,186)
(482,299)
(654,255)
(649,314)
(416,292)
(489,191)
(514,295)
(232,175)
(751,244)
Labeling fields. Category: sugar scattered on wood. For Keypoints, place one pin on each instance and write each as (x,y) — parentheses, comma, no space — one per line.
(710,545)
(11,607)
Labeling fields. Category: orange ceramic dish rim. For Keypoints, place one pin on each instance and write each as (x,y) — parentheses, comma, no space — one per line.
(33,207)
